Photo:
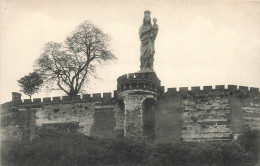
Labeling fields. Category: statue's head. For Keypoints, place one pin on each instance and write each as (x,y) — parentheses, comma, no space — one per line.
(154,20)
(147,18)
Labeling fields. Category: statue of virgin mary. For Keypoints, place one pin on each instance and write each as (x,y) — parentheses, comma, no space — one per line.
(147,35)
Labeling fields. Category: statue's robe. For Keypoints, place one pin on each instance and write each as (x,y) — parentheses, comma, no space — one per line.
(147,47)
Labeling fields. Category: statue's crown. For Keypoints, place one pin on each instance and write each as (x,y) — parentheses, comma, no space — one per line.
(147,12)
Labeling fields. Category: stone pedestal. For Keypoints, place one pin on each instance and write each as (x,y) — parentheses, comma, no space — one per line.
(134,90)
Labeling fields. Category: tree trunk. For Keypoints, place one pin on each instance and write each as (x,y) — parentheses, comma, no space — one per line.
(73,94)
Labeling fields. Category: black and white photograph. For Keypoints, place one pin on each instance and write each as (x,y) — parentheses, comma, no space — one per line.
(130,83)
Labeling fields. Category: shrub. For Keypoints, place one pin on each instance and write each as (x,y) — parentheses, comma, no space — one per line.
(66,149)
(249,140)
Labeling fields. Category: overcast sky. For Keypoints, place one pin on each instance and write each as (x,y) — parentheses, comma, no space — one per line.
(199,42)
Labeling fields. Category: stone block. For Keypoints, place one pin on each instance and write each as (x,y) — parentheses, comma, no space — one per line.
(56,99)
(243,89)
(232,88)
(86,97)
(124,77)
(96,96)
(17,102)
(220,87)
(171,90)
(183,89)
(151,77)
(254,90)
(138,75)
(27,101)
(37,100)
(119,134)
(77,97)
(65,98)
(16,96)
(107,96)
(162,89)
(46,99)
(115,94)
(207,88)
(143,76)
(131,76)
(195,88)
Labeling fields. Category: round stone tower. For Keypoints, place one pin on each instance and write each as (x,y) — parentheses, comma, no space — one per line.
(138,92)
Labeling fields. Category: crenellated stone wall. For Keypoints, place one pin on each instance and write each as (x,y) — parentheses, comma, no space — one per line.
(90,115)
(187,114)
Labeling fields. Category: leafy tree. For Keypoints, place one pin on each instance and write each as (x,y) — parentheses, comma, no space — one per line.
(31,83)
(70,64)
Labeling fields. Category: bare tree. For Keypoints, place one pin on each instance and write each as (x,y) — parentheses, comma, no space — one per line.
(70,64)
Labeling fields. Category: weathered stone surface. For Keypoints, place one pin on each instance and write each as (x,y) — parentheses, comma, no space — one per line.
(168,119)
(82,113)
(107,96)
(220,87)
(254,90)
(206,116)
(232,88)
(37,100)
(16,96)
(87,97)
(18,126)
(119,115)
(133,120)
(77,97)
(243,89)
(139,80)
(207,88)
(27,101)
(46,99)
(162,89)
(171,90)
(197,116)
(66,98)
(115,94)
(236,115)
(250,112)
(195,88)
(96,96)
(183,89)
(104,122)
(56,99)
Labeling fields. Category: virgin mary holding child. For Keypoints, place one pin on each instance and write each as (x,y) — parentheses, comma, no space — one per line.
(147,35)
